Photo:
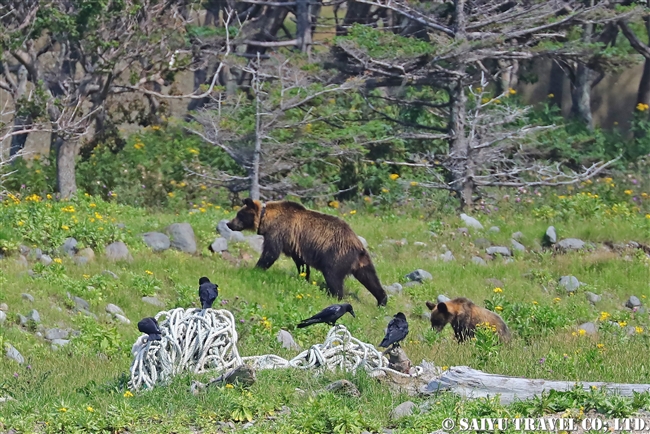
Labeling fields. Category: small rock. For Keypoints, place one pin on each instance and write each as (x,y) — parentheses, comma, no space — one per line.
(153,301)
(118,251)
(33,315)
(426,316)
(419,275)
(568,244)
(482,243)
(516,245)
(22,320)
(34,254)
(113,309)
(447,256)
(463,231)
(632,302)
(404,409)
(412,283)
(242,374)
(395,288)
(219,245)
(24,250)
(517,236)
(53,334)
(570,283)
(27,297)
(640,310)
(256,242)
(630,330)
(494,229)
(285,338)
(45,260)
(442,298)
(81,260)
(592,298)
(110,273)
(58,343)
(471,221)
(589,327)
(122,319)
(228,234)
(21,261)
(157,241)
(345,387)
(14,354)
(478,260)
(4,307)
(419,244)
(81,304)
(3,317)
(69,247)
(498,250)
(87,253)
(363,241)
(550,236)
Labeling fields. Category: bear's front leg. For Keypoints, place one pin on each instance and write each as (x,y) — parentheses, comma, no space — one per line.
(270,253)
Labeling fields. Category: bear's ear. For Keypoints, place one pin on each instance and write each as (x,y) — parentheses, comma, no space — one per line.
(249,202)
(430,305)
(442,307)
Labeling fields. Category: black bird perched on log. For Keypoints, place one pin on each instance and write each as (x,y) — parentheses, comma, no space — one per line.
(397,330)
(149,326)
(329,315)
(208,292)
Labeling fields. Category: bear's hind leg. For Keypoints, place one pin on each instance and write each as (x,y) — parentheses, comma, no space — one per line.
(334,280)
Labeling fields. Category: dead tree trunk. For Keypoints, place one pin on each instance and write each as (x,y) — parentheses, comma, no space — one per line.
(66,152)
(556,84)
(20,121)
(257,153)
(303,26)
(581,92)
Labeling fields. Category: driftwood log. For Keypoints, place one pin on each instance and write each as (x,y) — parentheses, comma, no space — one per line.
(471,383)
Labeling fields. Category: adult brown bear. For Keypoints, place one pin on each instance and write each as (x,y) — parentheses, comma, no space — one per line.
(317,240)
(464,316)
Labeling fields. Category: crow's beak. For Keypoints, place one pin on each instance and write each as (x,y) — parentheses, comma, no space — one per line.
(352,313)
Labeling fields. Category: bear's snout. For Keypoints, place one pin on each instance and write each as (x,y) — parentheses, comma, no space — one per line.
(231,226)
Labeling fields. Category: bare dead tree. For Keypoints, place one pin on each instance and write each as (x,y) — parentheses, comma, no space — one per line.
(464,37)
(264,130)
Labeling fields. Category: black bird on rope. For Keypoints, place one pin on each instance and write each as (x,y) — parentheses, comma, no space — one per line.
(397,330)
(329,315)
(149,326)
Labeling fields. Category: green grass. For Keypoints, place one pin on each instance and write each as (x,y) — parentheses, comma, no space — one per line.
(91,372)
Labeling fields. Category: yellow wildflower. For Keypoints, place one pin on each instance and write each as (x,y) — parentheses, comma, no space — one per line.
(202,209)
(303,274)
(229,386)
(647,216)
(150,273)
(367,199)
(622,323)
(128,394)
(444,368)
(550,95)
(512,91)
(138,145)
(313,283)
(628,192)
(600,346)
(155,127)
(638,329)
(413,183)
(393,176)
(498,308)
(534,302)
(58,260)
(334,204)
(485,100)
(49,196)
(193,151)
(557,299)
(642,107)
(203,187)
(170,194)
(86,276)
(63,409)
(582,332)
(497,290)
(90,409)
(385,190)
(299,296)
(604,316)
(65,228)
(353,212)
(92,205)
(20,223)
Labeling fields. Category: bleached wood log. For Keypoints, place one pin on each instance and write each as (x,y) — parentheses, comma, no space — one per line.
(472,383)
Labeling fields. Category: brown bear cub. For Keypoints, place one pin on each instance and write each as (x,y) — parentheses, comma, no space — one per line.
(311,238)
(464,316)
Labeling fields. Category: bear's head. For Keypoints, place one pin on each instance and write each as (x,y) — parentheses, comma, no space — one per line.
(440,315)
(248,217)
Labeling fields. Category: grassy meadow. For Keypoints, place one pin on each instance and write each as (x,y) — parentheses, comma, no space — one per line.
(82,387)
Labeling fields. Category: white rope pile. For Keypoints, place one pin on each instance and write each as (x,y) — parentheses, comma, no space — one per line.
(195,340)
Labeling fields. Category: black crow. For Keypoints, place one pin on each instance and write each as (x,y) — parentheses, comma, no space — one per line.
(329,315)
(149,326)
(208,292)
(397,330)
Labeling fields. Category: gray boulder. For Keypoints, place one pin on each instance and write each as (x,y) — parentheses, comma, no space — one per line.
(182,237)
(69,247)
(633,302)
(494,229)
(569,283)
(592,298)
(14,354)
(419,275)
(157,241)
(285,338)
(122,319)
(3,317)
(45,260)
(569,244)
(114,309)
(471,221)
(228,234)
(118,251)
(33,315)
(589,327)
(517,235)
(153,301)
(478,260)
(219,245)
(53,334)
(27,297)
(447,256)
(442,298)
(363,241)
(550,236)
(395,288)
(498,250)
(58,343)
(404,409)
(516,245)
(256,242)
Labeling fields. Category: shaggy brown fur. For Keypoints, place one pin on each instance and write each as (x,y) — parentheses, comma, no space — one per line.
(464,316)
(314,239)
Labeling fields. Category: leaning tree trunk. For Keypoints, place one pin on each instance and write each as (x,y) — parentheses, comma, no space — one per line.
(556,84)
(66,152)
(581,92)
(20,121)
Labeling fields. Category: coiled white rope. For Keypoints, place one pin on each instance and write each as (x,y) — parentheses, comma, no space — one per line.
(197,341)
